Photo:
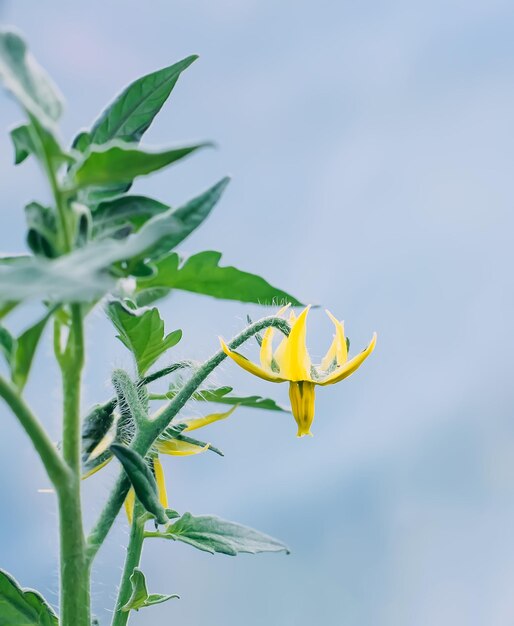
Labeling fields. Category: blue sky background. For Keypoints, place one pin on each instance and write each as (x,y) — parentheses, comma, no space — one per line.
(370,146)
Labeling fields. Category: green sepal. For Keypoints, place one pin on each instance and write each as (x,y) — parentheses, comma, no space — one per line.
(140,597)
(174,431)
(23,607)
(213,534)
(142,480)
(142,332)
(95,426)
(197,442)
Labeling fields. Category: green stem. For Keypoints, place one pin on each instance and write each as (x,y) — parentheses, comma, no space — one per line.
(75,597)
(134,550)
(149,433)
(54,466)
(57,193)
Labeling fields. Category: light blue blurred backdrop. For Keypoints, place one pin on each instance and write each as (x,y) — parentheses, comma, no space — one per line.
(370,145)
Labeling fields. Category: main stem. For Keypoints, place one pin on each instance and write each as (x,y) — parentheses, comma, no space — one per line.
(134,550)
(75,597)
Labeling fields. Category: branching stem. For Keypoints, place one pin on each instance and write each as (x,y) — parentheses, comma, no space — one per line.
(149,433)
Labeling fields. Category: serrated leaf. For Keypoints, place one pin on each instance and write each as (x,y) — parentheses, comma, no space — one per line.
(23,607)
(26,80)
(142,332)
(140,598)
(119,162)
(26,345)
(222,395)
(201,273)
(132,112)
(141,479)
(213,534)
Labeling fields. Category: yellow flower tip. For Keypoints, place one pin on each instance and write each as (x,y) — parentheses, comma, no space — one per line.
(283,309)
(224,346)
(302,396)
(301,434)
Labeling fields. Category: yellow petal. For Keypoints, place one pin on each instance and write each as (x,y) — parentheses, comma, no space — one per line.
(97,468)
(104,443)
(266,353)
(295,362)
(199,422)
(302,396)
(338,349)
(130,500)
(161,483)
(350,366)
(329,357)
(175,447)
(248,365)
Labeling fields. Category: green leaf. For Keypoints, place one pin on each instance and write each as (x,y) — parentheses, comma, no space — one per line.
(23,607)
(141,479)
(76,277)
(118,162)
(213,534)
(26,80)
(140,597)
(36,139)
(26,345)
(222,396)
(137,210)
(201,273)
(133,210)
(23,144)
(42,230)
(142,332)
(184,220)
(130,115)
(7,345)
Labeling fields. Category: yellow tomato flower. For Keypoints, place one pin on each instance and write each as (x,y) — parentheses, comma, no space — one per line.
(291,362)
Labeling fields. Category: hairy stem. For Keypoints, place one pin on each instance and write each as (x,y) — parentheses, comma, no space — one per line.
(75,600)
(148,434)
(134,551)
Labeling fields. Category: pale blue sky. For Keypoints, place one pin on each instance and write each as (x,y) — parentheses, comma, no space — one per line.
(370,145)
